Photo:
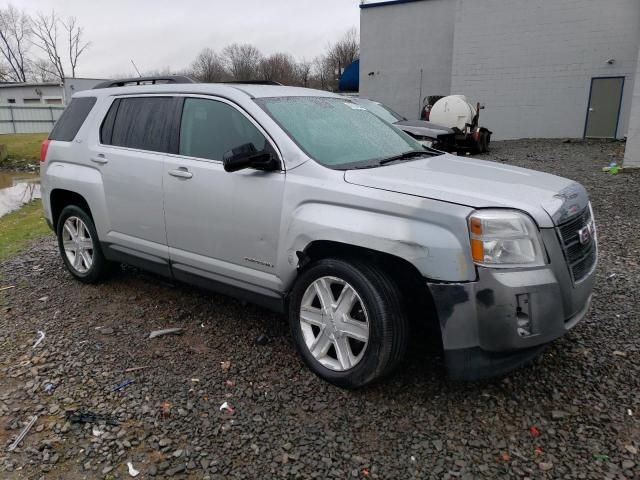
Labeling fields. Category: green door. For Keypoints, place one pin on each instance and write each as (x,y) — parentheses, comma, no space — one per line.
(604,107)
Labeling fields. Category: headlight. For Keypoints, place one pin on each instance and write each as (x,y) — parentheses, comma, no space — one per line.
(504,238)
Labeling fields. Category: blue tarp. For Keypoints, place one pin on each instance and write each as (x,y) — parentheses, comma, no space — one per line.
(350,80)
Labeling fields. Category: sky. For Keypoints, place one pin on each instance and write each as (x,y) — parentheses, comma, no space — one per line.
(156,34)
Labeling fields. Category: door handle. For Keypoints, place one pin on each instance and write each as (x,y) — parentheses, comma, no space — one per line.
(181,173)
(99,159)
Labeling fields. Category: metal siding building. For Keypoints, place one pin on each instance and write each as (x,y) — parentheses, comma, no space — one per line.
(49,93)
(406,52)
(34,107)
(44,93)
(73,85)
(632,151)
(530,62)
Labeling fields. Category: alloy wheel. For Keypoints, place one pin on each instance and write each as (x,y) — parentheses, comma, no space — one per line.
(334,323)
(77,244)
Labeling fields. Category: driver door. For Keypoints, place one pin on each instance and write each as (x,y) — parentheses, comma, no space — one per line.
(221,227)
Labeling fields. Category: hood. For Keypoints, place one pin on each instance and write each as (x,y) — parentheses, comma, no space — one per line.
(422,128)
(549,199)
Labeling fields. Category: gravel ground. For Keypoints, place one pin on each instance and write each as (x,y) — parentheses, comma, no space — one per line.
(573,414)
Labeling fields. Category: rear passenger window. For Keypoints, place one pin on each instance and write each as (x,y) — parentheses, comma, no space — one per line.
(210,128)
(142,123)
(72,118)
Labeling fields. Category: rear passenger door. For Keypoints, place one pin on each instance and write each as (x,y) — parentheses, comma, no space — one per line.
(134,137)
(221,227)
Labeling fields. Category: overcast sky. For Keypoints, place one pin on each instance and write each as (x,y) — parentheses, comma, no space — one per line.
(160,33)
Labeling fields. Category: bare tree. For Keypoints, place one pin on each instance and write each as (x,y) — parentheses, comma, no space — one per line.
(76,45)
(15,36)
(242,61)
(324,77)
(303,72)
(279,67)
(45,32)
(344,52)
(41,71)
(4,73)
(209,67)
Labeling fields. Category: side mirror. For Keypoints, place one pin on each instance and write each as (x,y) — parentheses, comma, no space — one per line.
(246,156)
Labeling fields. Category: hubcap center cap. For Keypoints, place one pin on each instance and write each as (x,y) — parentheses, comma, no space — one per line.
(334,321)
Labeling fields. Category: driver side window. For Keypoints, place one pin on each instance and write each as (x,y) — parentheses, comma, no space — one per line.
(210,128)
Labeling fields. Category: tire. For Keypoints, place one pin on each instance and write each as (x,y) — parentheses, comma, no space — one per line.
(377,311)
(484,142)
(84,270)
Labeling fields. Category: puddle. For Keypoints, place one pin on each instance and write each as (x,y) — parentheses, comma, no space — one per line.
(16,189)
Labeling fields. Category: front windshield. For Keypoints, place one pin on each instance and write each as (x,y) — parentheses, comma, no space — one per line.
(382,111)
(337,132)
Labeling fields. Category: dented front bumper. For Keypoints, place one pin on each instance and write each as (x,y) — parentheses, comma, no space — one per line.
(504,318)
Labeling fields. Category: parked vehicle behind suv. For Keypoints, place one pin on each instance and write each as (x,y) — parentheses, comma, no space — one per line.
(427,133)
(304,202)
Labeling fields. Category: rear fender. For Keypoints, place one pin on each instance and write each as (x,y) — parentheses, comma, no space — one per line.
(86,182)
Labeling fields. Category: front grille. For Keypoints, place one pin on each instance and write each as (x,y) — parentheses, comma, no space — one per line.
(581,256)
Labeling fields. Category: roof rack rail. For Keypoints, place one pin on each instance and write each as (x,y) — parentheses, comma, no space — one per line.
(123,82)
(254,82)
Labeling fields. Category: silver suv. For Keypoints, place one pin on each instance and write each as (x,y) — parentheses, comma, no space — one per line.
(307,203)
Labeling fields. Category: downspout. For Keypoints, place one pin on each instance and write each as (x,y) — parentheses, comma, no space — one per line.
(420,96)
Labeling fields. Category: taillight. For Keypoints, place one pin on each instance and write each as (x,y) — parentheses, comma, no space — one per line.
(43,149)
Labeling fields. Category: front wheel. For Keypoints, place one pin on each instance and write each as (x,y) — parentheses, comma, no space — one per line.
(349,321)
(79,245)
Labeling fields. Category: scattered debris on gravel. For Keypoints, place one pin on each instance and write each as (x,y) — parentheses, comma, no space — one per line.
(573,414)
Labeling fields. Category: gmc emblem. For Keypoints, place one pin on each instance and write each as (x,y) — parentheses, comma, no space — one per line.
(586,234)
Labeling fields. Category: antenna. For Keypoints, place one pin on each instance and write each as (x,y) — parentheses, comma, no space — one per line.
(134,66)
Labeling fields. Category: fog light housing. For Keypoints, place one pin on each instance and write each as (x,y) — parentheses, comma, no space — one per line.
(524,326)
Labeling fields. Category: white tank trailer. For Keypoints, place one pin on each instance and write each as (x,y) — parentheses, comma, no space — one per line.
(462,117)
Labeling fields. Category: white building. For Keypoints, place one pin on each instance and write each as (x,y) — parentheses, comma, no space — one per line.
(34,107)
(542,68)
(44,93)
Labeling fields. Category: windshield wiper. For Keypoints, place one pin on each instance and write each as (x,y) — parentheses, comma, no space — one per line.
(405,156)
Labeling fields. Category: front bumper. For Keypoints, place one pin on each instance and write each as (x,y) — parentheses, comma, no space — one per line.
(482,321)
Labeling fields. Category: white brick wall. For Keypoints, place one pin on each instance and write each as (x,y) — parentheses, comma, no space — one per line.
(531,61)
(396,42)
(632,153)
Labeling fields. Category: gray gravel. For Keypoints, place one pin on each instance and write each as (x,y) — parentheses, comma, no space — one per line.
(582,397)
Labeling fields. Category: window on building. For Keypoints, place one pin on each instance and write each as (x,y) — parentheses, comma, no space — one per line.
(11,100)
(53,101)
(210,129)
(30,101)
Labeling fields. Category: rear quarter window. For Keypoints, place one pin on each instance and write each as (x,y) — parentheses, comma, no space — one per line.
(72,118)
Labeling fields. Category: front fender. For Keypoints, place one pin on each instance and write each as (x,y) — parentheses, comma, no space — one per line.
(435,251)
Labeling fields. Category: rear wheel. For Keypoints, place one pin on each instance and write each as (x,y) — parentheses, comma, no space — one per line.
(349,322)
(484,142)
(79,246)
